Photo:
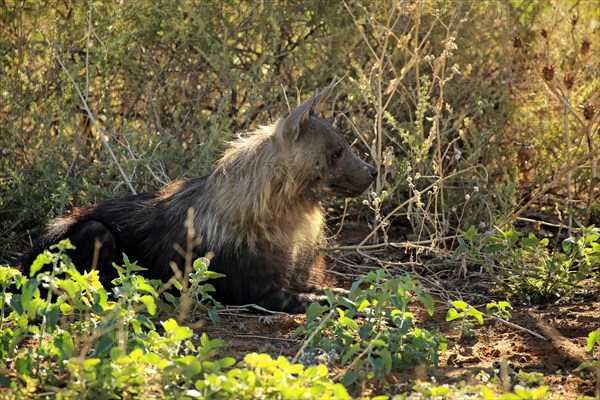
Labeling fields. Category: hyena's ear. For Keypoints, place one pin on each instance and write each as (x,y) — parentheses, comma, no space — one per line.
(292,123)
(319,98)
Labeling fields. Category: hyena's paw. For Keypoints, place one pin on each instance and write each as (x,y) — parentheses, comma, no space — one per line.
(321,297)
(296,303)
(340,291)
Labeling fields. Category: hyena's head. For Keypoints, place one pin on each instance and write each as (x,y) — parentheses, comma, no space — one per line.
(320,159)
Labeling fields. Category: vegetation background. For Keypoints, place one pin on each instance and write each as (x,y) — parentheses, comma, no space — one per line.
(479,115)
(493,103)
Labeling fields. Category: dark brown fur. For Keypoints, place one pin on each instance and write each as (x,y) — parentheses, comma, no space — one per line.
(258,212)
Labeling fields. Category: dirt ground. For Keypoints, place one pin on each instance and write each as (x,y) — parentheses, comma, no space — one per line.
(497,348)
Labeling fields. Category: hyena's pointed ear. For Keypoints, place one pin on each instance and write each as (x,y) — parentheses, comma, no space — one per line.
(296,117)
(291,125)
(319,98)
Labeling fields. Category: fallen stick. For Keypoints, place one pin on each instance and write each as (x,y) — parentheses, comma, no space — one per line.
(537,335)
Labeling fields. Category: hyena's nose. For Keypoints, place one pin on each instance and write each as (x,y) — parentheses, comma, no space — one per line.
(372,170)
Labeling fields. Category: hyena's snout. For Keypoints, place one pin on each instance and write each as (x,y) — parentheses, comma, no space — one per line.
(365,177)
(354,177)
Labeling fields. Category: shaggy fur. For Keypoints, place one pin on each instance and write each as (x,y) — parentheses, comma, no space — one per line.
(258,213)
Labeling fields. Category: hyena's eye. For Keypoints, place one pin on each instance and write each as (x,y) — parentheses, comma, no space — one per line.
(337,153)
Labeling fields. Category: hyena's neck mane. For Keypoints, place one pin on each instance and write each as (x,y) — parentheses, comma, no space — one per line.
(259,197)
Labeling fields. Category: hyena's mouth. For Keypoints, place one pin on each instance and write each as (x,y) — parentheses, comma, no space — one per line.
(346,190)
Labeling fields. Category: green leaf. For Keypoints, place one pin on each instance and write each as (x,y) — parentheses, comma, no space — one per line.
(6,382)
(16,304)
(462,248)
(103,345)
(504,305)
(149,303)
(567,245)
(427,301)
(314,311)
(477,314)
(177,333)
(349,322)
(349,378)
(493,239)
(512,237)
(27,292)
(170,325)
(364,304)
(22,365)
(64,343)
(41,260)
(170,298)
(593,338)
(144,287)
(213,315)
(487,393)
(227,362)
(471,234)
(452,314)
(213,275)
(386,356)
(459,304)
(494,248)
(91,363)
(132,266)
(352,351)
(52,314)
(530,242)
(364,331)
(177,285)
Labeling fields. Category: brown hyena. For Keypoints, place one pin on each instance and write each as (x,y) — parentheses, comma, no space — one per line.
(258,213)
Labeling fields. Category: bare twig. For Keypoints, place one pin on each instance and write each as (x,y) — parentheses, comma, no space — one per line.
(361,355)
(94,121)
(312,335)
(387,218)
(557,179)
(87,53)
(537,335)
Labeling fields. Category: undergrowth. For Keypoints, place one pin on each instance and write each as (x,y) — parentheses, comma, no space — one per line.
(63,333)
(526,267)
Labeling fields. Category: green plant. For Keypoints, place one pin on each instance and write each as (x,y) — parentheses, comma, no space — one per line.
(519,393)
(461,312)
(103,346)
(195,296)
(500,309)
(593,344)
(526,265)
(260,376)
(373,330)
(97,344)
(486,390)
(593,339)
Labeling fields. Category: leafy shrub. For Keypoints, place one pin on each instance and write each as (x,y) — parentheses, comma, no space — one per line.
(461,311)
(527,266)
(260,376)
(372,330)
(104,346)
(92,344)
